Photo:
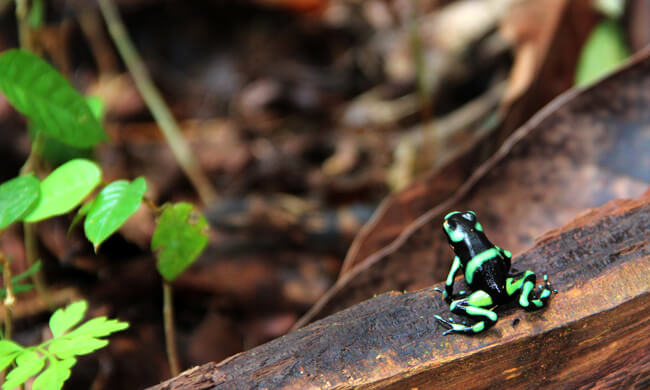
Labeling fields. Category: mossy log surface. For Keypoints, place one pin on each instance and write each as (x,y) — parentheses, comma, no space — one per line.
(593,333)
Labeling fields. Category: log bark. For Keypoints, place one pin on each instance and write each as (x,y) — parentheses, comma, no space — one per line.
(593,333)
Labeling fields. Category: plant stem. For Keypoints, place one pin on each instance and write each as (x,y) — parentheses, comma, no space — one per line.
(31,255)
(151,204)
(24,31)
(10,299)
(170,333)
(92,27)
(155,102)
(29,229)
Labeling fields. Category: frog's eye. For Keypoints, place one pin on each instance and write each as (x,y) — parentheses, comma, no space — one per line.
(469,216)
(450,225)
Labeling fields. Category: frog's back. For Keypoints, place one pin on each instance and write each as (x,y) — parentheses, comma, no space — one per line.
(490,277)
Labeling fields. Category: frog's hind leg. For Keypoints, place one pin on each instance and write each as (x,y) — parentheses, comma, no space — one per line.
(524,285)
(474,306)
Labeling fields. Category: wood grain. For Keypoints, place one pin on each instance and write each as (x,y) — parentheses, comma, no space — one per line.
(587,147)
(593,333)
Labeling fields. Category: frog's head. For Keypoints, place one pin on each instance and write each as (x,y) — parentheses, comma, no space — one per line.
(461,228)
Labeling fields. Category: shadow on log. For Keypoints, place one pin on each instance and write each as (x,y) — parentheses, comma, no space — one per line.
(594,331)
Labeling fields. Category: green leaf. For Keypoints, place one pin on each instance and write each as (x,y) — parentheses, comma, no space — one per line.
(27,273)
(21,288)
(6,360)
(83,211)
(179,238)
(67,347)
(39,92)
(64,319)
(98,327)
(8,352)
(55,152)
(8,347)
(36,14)
(603,52)
(55,375)
(18,289)
(112,207)
(26,357)
(65,188)
(97,107)
(29,363)
(16,197)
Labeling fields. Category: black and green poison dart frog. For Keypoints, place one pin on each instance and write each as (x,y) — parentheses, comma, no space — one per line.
(487,272)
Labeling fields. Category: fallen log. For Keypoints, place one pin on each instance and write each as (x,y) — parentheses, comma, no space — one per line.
(593,333)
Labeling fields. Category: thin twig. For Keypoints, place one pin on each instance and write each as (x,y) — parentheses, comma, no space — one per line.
(93,28)
(155,102)
(152,205)
(10,299)
(30,306)
(170,333)
(422,78)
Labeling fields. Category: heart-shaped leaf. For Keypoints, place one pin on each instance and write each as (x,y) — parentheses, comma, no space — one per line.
(65,188)
(16,197)
(179,238)
(39,92)
(112,207)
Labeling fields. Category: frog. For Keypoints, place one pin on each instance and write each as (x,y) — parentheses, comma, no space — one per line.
(488,273)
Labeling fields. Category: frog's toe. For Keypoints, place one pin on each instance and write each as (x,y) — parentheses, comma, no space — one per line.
(547,284)
(442,320)
(445,296)
(458,328)
(449,324)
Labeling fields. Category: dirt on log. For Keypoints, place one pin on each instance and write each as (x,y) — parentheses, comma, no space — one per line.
(593,333)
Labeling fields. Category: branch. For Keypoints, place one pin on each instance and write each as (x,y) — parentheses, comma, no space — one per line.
(156,103)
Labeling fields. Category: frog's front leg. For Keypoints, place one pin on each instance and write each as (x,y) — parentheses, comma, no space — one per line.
(449,283)
(474,306)
(524,285)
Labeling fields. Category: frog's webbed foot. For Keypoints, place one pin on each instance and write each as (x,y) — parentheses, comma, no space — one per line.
(547,285)
(541,296)
(475,306)
(529,297)
(451,325)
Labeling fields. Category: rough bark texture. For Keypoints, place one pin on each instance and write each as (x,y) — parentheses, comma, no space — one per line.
(587,147)
(594,331)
